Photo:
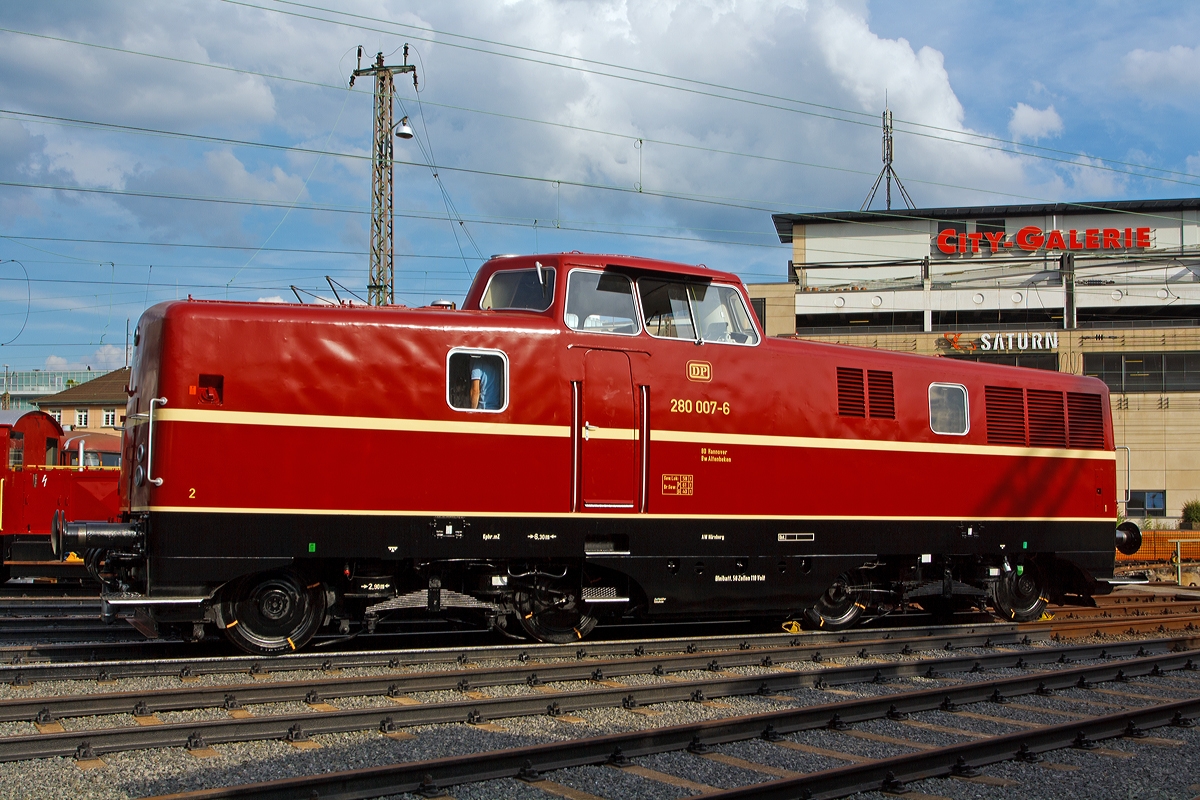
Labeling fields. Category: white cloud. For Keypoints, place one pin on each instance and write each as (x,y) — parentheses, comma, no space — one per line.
(107,357)
(272,299)
(1162,73)
(824,52)
(219,175)
(1030,124)
(86,163)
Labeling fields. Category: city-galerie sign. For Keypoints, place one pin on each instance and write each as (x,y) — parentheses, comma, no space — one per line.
(1032,239)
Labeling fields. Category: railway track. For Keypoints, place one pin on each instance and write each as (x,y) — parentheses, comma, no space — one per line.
(400,686)
(191,705)
(22,669)
(782,728)
(607,686)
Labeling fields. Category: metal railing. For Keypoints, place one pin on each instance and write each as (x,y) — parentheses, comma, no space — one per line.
(1164,540)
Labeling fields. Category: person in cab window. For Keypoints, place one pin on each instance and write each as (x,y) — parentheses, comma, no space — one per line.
(485,384)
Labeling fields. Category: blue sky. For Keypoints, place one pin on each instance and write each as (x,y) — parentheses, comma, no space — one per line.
(150,151)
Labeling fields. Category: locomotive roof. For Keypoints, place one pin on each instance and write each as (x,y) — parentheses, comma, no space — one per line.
(610,261)
(494,264)
(13,417)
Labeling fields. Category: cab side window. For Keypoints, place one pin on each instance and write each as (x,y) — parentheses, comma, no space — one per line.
(948,412)
(16,449)
(721,315)
(526,289)
(477,380)
(667,309)
(696,311)
(600,302)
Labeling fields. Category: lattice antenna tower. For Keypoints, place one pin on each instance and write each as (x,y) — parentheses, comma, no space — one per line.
(887,173)
(381,279)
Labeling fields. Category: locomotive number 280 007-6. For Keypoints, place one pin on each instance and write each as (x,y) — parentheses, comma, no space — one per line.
(687,406)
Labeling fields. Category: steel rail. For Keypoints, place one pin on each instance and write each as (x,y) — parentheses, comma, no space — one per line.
(144,703)
(889,775)
(1086,627)
(530,761)
(109,669)
(1118,611)
(300,726)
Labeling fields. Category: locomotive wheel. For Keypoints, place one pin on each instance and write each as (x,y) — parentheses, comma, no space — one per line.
(553,617)
(271,613)
(1023,597)
(840,607)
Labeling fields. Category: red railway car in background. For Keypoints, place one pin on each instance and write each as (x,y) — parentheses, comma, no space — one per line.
(590,435)
(41,477)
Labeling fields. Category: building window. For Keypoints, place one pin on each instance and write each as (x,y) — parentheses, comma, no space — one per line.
(81,418)
(1046,361)
(57,414)
(759,305)
(1147,504)
(1146,373)
(110,417)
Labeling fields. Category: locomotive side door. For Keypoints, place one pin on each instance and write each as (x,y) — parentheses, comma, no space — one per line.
(608,432)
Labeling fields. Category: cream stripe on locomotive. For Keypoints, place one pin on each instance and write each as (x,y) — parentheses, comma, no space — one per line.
(615,434)
(359,512)
(700,437)
(360,423)
(564,431)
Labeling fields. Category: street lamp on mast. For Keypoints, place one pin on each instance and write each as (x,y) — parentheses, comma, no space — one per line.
(381,279)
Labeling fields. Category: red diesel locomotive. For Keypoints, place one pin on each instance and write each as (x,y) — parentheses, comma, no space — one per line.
(589,435)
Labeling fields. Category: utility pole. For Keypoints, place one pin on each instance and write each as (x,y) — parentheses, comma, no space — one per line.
(380,282)
(887,172)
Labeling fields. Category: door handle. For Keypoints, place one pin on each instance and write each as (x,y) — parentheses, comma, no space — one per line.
(587,428)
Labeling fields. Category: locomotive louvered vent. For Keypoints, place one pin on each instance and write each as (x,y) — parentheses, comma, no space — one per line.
(1086,417)
(851,400)
(881,396)
(1047,418)
(1005,415)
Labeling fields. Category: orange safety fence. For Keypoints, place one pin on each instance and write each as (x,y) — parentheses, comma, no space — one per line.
(1160,546)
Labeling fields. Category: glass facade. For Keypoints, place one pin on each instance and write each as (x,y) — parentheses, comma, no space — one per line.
(1147,373)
